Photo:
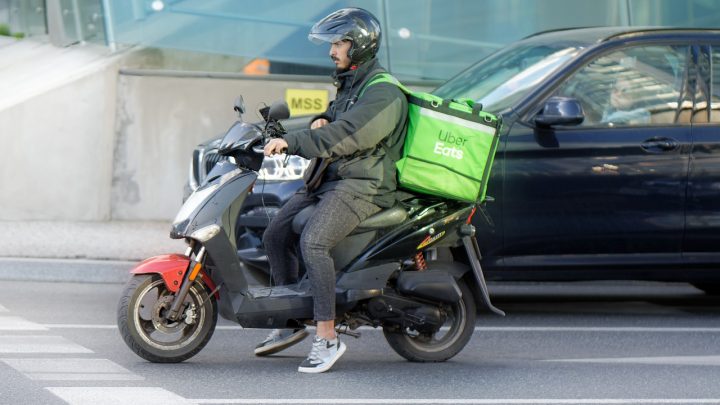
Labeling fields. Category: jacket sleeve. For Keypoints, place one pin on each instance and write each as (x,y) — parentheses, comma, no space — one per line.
(324,115)
(373,117)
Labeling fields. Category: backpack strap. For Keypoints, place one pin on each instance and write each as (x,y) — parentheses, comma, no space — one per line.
(384,78)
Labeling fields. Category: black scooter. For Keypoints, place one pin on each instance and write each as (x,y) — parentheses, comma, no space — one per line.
(386,275)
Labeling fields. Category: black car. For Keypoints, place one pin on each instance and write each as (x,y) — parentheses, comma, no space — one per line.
(608,165)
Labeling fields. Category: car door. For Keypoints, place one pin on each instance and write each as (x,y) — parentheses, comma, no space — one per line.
(610,191)
(702,235)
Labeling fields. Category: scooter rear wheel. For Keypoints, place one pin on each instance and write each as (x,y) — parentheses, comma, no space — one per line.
(446,342)
(145,329)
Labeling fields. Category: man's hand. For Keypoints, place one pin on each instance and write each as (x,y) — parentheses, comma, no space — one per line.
(276,145)
(320,122)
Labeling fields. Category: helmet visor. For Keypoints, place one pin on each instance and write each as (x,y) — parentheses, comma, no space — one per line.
(320,38)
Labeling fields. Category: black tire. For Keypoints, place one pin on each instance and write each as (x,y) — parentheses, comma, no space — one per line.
(442,345)
(149,335)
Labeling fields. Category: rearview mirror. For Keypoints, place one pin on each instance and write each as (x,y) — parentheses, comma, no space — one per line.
(239,105)
(279,111)
(560,111)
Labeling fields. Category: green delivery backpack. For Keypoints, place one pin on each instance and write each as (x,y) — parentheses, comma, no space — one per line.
(449,147)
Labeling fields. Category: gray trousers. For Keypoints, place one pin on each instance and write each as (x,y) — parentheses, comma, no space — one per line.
(336,215)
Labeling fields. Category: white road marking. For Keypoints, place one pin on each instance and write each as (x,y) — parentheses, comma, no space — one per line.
(3,309)
(620,329)
(665,360)
(71,369)
(39,344)
(118,396)
(640,329)
(108,326)
(8,323)
(78,326)
(497,401)
(84,377)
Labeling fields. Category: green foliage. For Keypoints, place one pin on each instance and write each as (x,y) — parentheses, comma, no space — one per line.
(5,31)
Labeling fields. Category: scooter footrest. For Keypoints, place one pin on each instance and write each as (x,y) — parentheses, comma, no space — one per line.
(273,292)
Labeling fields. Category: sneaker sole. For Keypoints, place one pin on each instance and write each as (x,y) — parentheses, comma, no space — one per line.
(280,346)
(317,370)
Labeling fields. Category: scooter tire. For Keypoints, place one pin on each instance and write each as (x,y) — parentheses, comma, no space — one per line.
(459,334)
(138,339)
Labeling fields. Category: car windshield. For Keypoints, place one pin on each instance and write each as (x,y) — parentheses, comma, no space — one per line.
(504,77)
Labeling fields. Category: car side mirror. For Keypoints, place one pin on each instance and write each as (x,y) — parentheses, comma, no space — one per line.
(560,111)
(279,110)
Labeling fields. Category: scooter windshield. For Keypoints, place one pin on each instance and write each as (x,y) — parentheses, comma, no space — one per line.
(238,137)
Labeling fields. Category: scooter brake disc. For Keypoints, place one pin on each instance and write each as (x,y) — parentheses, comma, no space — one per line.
(160,322)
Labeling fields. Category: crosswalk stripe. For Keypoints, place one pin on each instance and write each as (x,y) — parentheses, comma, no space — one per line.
(39,344)
(84,377)
(9,323)
(118,396)
(78,326)
(70,369)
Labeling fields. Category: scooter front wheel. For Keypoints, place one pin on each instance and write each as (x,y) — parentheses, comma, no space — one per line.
(147,331)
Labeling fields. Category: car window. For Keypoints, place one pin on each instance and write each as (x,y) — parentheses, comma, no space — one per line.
(633,87)
(715,85)
(499,81)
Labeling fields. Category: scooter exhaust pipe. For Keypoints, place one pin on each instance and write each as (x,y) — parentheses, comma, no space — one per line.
(431,285)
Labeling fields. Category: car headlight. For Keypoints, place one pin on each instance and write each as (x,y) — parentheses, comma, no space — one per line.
(274,168)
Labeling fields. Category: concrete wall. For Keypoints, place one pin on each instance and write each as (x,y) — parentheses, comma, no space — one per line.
(57,150)
(99,143)
(93,144)
(160,120)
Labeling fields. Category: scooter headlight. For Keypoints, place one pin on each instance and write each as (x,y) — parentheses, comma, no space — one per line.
(206,233)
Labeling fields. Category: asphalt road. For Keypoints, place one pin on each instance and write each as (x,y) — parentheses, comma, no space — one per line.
(561,343)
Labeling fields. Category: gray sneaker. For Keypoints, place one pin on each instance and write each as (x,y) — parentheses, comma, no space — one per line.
(279,339)
(323,355)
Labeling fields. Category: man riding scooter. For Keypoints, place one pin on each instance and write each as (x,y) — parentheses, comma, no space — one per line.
(354,146)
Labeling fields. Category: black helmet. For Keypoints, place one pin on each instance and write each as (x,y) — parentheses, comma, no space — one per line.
(353,24)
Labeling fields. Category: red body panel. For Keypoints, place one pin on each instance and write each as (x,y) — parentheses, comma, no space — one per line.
(172,269)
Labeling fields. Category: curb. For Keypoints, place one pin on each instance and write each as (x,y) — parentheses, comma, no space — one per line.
(65,270)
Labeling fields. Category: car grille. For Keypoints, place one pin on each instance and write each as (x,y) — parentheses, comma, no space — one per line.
(211,159)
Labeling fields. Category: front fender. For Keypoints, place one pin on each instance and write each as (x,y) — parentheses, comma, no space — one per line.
(171,268)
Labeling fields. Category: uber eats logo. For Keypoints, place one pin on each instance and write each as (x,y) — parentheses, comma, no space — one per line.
(449,145)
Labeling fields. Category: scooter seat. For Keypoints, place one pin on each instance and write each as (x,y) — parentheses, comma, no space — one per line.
(390,217)
(383,219)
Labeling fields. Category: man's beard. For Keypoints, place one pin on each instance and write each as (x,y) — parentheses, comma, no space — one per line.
(339,70)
